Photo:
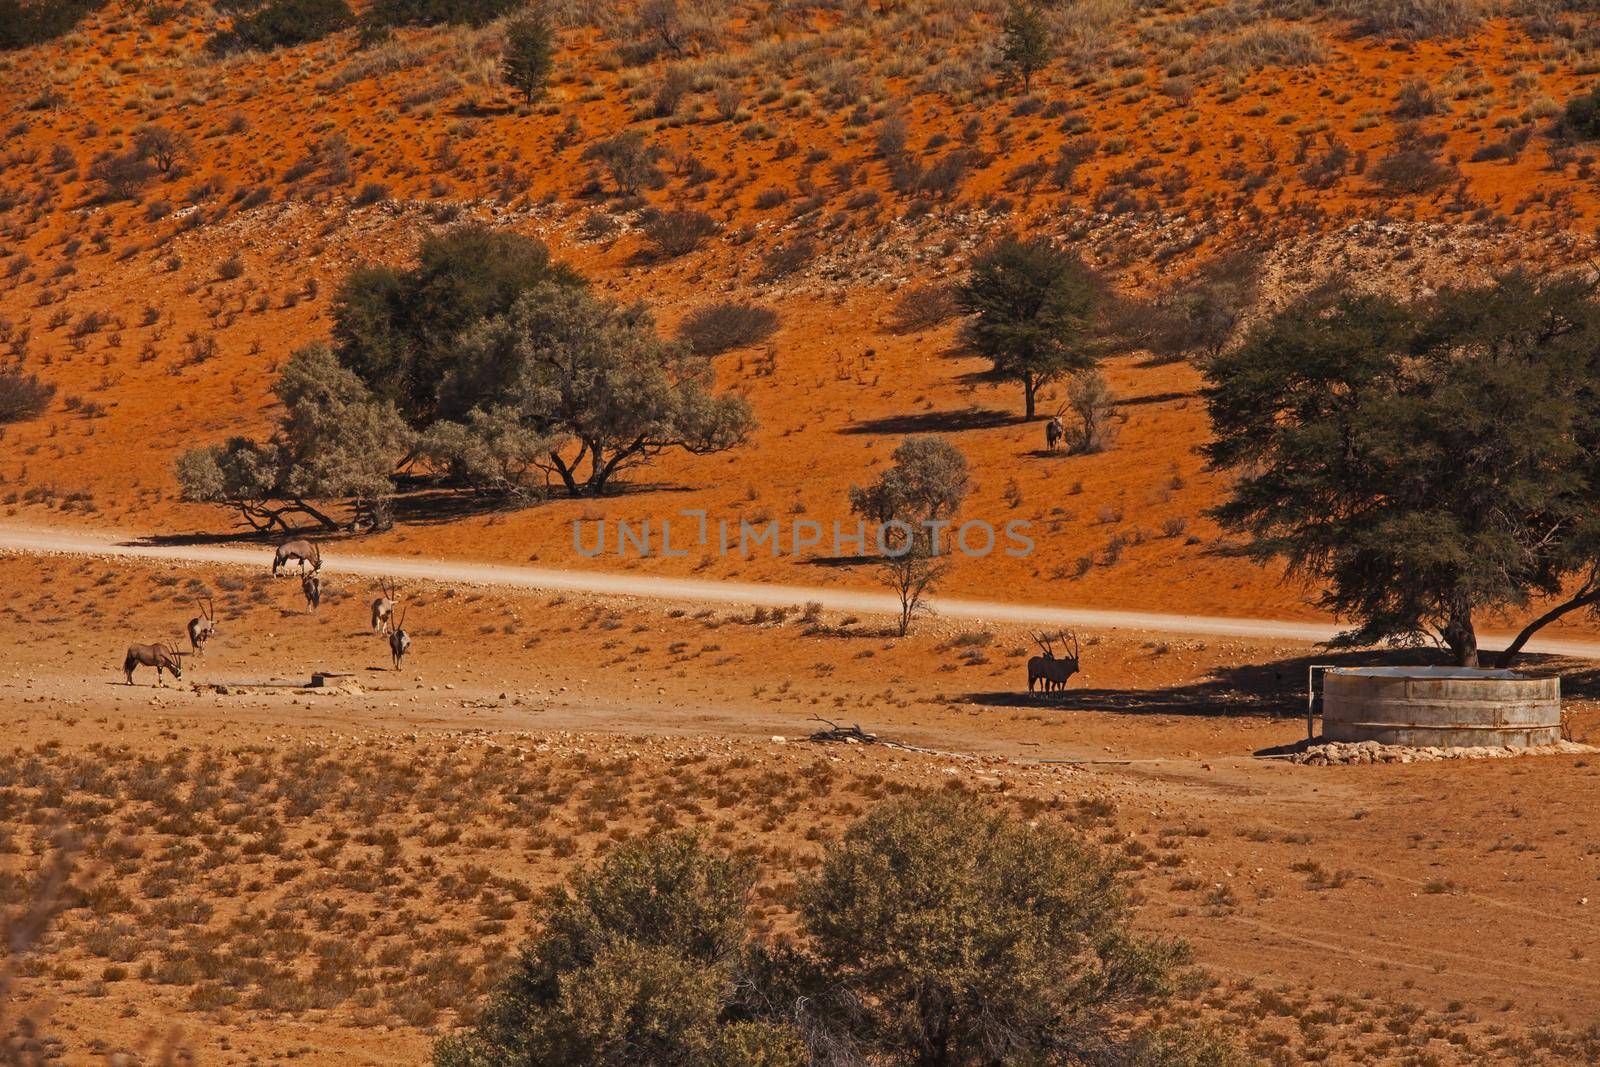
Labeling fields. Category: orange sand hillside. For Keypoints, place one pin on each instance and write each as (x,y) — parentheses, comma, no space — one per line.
(162,318)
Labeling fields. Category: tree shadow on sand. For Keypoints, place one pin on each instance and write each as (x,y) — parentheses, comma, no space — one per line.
(936,422)
(1276,688)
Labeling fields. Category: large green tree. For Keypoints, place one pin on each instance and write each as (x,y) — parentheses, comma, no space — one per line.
(1032,304)
(597,381)
(396,329)
(1426,463)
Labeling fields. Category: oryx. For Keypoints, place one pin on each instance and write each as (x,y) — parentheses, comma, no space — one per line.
(203,627)
(383,607)
(303,552)
(311,586)
(1055,432)
(161,657)
(1048,669)
(399,640)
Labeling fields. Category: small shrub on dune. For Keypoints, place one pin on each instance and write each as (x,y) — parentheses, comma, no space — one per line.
(1581,118)
(22,395)
(923,307)
(722,327)
(678,232)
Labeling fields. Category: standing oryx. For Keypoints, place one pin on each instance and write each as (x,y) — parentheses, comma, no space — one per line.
(1055,432)
(383,606)
(303,552)
(161,657)
(311,586)
(1049,670)
(399,640)
(203,627)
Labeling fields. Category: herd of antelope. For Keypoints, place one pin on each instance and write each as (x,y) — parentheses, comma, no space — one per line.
(307,557)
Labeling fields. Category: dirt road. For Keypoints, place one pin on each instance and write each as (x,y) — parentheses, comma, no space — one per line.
(43,541)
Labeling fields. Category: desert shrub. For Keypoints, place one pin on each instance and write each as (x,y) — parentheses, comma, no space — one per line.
(284,24)
(22,395)
(783,260)
(718,328)
(1412,168)
(629,160)
(164,148)
(636,963)
(1582,115)
(121,174)
(1092,407)
(960,935)
(371,193)
(679,231)
(30,22)
(1417,100)
(923,307)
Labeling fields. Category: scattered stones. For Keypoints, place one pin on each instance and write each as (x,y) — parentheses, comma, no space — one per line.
(1353,752)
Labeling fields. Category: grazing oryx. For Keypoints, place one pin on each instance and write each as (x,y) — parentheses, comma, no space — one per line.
(302,552)
(203,627)
(1049,670)
(1055,432)
(383,607)
(311,586)
(399,640)
(161,657)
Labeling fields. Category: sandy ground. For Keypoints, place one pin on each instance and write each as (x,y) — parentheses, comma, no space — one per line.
(1366,913)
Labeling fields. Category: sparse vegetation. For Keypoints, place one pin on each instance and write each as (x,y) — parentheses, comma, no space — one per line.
(717,328)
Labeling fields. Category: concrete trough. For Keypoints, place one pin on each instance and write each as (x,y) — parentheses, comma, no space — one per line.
(1443,707)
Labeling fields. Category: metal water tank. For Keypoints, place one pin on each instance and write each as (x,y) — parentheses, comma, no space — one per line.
(1447,707)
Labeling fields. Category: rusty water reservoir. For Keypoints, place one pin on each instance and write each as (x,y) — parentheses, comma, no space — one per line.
(1447,707)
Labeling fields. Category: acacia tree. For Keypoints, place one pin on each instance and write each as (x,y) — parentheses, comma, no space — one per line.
(334,442)
(530,53)
(597,381)
(397,329)
(161,146)
(1426,462)
(1033,306)
(1025,47)
(925,486)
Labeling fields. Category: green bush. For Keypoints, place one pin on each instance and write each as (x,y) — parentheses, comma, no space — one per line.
(637,963)
(1582,115)
(284,24)
(964,936)
(24,23)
